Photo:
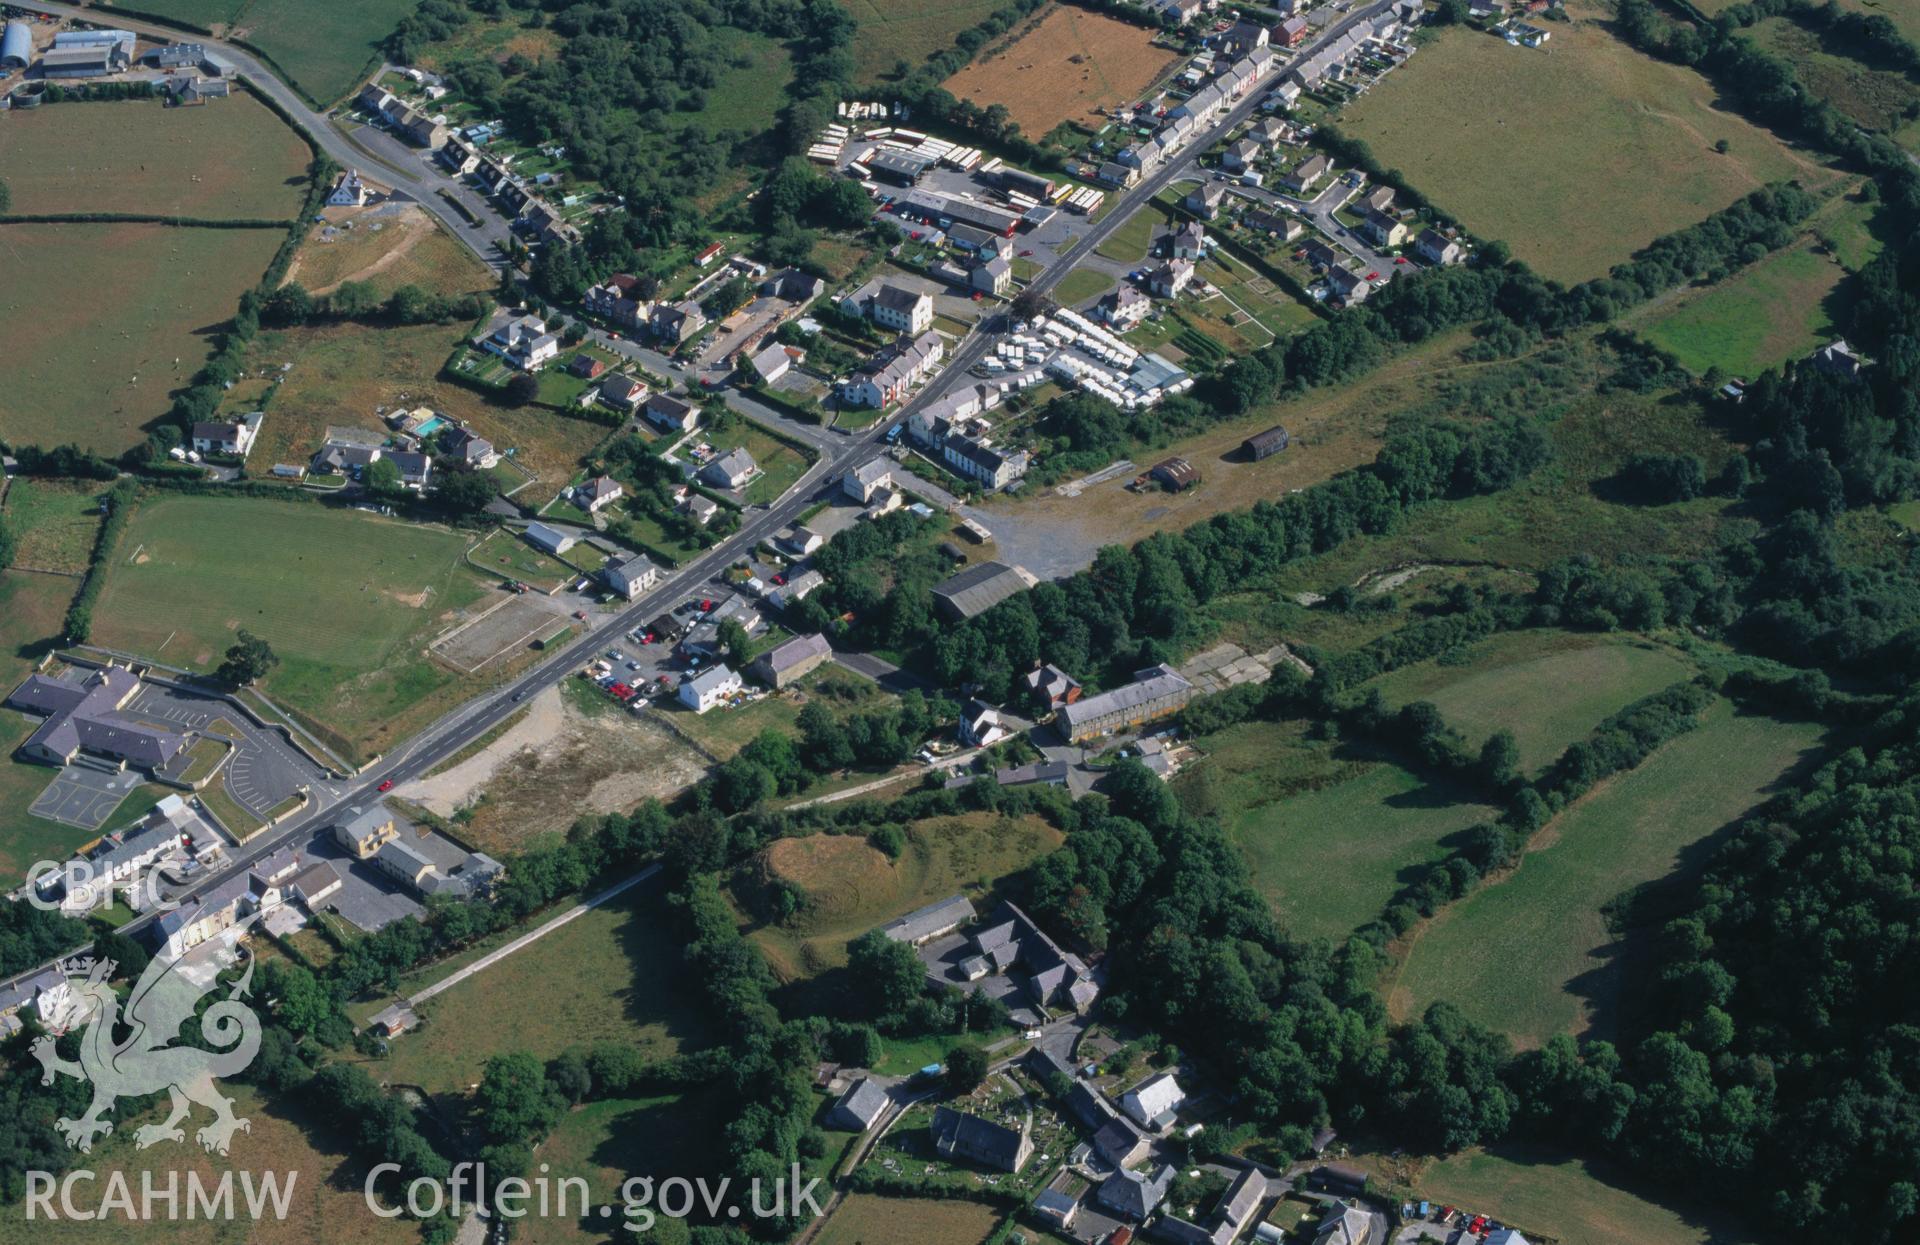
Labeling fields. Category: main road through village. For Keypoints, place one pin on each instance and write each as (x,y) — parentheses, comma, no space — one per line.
(461,726)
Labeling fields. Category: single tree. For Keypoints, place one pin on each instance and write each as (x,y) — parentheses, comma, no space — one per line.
(966,1068)
(248,660)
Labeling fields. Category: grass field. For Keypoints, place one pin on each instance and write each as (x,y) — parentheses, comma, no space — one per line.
(54,522)
(1519,142)
(346,599)
(1068,67)
(1592,676)
(613,974)
(228,161)
(326,1203)
(608,1142)
(386,249)
(852,887)
(1134,238)
(93,370)
(1081,284)
(1571,1200)
(868,1219)
(340,373)
(1531,955)
(324,48)
(1327,834)
(1775,310)
(909,30)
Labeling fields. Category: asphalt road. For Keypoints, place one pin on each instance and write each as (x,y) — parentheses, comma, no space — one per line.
(468,722)
(407,174)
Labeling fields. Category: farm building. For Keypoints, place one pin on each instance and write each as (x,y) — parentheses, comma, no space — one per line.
(1176,475)
(550,539)
(934,920)
(979,588)
(16,46)
(783,664)
(1155,693)
(1265,444)
(1339,1179)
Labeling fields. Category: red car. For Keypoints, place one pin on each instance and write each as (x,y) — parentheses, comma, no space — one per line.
(1477,1226)
(1373,276)
(706,607)
(1399,259)
(779,581)
(387,785)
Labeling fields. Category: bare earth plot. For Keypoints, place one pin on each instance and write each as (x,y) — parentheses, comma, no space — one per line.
(231,160)
(1530,955)
(1067,68)
(1576,154)
(386,246)
(94,368)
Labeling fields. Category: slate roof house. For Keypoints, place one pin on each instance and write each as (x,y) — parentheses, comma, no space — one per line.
(1346,1225)
(1134,1195)
(1051,686)
(622,393)
(1155,692)
(731,470)
(469,448)
(229,436)
(631,575)
(858,1108)
(670,414)
(598,493)
(1437,248)
(957,1135)
(1153,1101)
(84,716)
(784,664)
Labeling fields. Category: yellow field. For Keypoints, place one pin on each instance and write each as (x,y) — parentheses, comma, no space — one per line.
(1575,154)
(1067,68)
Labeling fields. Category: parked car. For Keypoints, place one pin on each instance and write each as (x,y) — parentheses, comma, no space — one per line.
(386,786)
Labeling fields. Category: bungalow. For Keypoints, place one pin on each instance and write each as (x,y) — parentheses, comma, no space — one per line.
(731,470)
(792,285)
(1190,241)
(1274,224)
(523,342)
(630,575)
(234,437)
(710,687)
(869,478)
(1038,774)
(670,414)
(1308,173)
(1124,307)
(784,664)
(1204,200)
(622,393)
(1241,156)
(598,493)
(709,253)
(801,541)
(699,508)
(770,364)
(1437,248)
(550,539)
(1170,278)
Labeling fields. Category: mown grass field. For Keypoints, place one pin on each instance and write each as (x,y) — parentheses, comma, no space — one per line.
(868,1219)
(1328,834)
(1068,66)
(231,160)
(613,974)
(1576,155)
(104,322)
(1500,686)
(324,48)
(326,1204)
(346,599)
(909,30)
(853,887)
(1531,955)
(1571,1200)
(340,373)
(54,523)
(1775,310)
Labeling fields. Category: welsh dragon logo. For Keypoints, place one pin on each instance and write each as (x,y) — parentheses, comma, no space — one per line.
(146,1062)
